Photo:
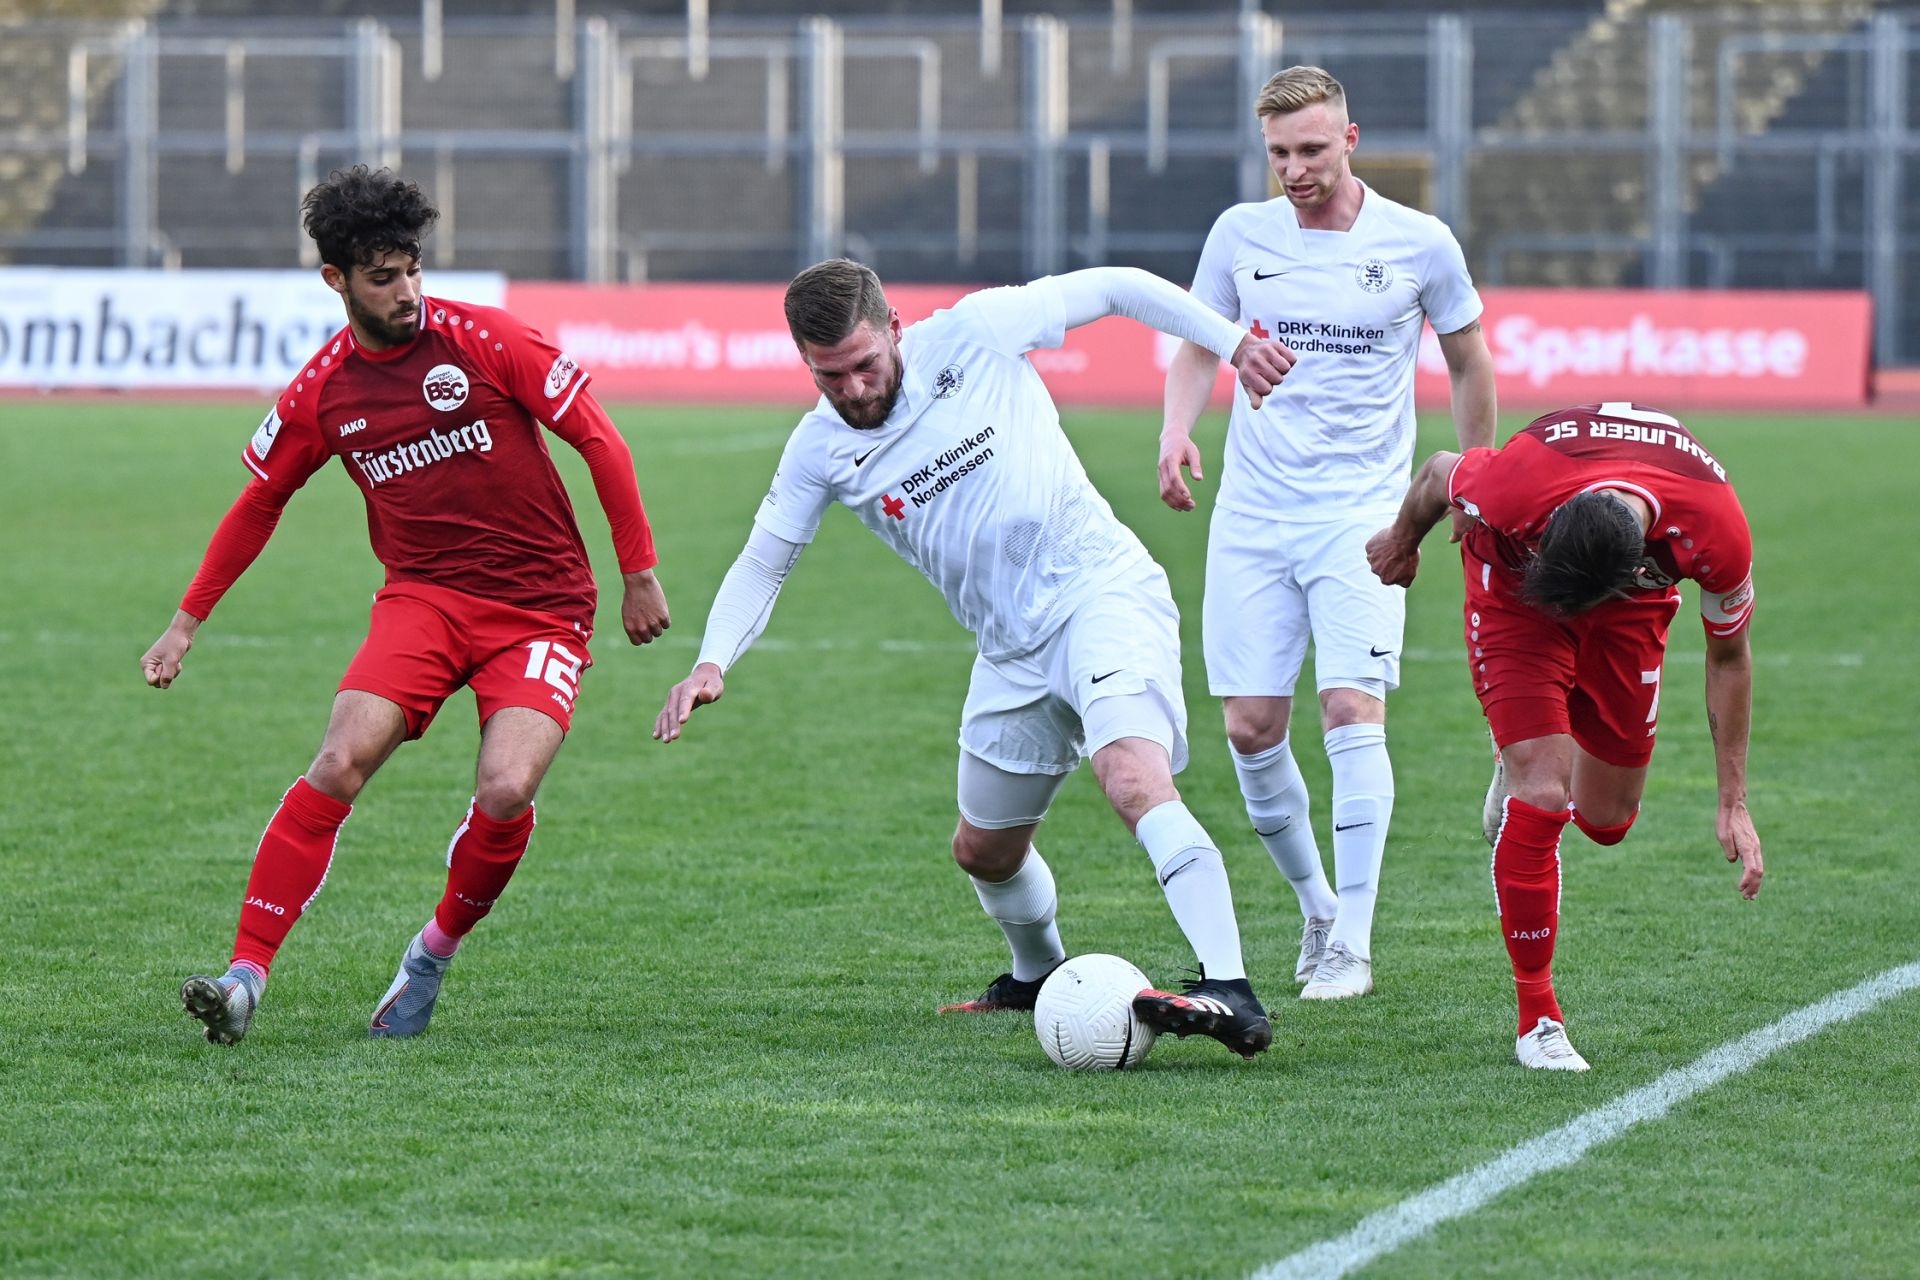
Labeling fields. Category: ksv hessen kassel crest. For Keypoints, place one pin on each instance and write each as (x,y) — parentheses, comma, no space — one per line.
(1373,275)
(947,382)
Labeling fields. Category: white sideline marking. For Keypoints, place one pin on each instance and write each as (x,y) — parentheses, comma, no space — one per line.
(1381,1233)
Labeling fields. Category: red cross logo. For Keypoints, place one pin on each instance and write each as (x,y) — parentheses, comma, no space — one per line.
(1257,331)
(893,507)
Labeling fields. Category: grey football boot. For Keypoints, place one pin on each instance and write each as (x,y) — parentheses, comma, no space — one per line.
(408,1004)
(225,1004)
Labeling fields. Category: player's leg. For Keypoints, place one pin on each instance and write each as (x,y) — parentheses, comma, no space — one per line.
(1526,880)
(1118,665)
(525,688)
(1615,710)
(1016,749)
(993,843)
(1358,625)
(1254,631)
(1523,668)
(293,856)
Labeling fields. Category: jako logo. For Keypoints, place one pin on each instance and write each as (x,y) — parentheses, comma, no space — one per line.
(1531,935)
(445,387)
(348,428)
(560,375)
(266,906)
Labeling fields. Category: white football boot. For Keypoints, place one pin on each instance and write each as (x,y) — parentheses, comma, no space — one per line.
(1313,946)
(1546,1048)
(1494,811)
(1340,975)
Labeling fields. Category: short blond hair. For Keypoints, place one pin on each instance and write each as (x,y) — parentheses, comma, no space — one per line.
(1296,89)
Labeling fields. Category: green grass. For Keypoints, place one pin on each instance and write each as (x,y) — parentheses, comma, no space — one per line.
(698,1038)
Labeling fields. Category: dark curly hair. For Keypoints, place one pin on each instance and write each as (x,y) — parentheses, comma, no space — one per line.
(1589,552)
(358,214)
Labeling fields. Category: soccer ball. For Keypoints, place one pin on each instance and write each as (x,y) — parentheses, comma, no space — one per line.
(1084,1015)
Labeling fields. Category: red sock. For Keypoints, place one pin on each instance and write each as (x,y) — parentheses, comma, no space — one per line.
(1604,835)
(480,862)
(1526,879)
(288,870)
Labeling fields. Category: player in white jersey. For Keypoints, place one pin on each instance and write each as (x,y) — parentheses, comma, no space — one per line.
(945,442)
(1345,277)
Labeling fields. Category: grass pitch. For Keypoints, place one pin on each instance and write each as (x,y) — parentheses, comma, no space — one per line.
(697,1037)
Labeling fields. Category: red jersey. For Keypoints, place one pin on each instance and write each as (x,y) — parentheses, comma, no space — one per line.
(443,438)
(1697,529)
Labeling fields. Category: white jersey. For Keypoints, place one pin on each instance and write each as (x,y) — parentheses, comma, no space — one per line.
(1336,439)
(970,479)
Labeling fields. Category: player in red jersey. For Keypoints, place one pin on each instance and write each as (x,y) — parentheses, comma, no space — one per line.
(433,408)
(1583,524)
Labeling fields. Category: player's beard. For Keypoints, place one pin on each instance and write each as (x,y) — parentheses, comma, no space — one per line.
(865,415)
(391,330)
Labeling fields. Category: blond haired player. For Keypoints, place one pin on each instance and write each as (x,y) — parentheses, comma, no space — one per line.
(1346,278)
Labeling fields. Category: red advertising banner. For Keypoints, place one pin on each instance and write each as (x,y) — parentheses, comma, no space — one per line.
(1678,350)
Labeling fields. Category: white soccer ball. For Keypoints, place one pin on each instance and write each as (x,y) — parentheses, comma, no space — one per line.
(1084,1015)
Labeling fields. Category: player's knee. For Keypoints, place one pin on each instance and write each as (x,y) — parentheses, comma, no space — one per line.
(1551,794)
(1594,823)
(988,855)
(505,793)
(1252,733)
(336,772)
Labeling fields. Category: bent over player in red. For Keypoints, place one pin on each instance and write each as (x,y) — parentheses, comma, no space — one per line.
(433,407)
(1583,525)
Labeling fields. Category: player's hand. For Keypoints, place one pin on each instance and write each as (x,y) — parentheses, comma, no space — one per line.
(1457,525)
(702,685)
(643,608)
(1393,559)
(1176,453)
(1734,827)
(1261,364)
(162,661)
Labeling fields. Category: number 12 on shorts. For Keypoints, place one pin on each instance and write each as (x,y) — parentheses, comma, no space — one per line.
(556,664)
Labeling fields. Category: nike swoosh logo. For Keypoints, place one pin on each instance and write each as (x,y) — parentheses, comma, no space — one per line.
(1351,826)
(1378,652)
(1116,671)
(1276,831)
(860,459)
(1270,275)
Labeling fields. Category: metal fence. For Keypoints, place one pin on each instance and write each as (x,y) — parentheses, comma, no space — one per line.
(1763,147)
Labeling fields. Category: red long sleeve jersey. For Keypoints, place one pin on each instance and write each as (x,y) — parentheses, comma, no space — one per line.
(1697,531)
(443,438)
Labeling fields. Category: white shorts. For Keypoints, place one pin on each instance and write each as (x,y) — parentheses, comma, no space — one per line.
(1272,584)
(1028,714)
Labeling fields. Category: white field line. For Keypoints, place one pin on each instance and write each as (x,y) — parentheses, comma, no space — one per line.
(1379,1234)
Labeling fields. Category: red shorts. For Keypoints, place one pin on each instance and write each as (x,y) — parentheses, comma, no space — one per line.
(1595,676)
(423,642)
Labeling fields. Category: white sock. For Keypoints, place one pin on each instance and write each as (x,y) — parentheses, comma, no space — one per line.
(1362,808)
(1023,905)
(1276,797)
(1194,878)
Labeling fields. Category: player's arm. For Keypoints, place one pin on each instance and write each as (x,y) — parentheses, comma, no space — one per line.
(1730,720)
(1470,373)
(1097,292)
(1189,386)
(1476,413)
(237,542)
(1394,552)
(739,614)
(643,603)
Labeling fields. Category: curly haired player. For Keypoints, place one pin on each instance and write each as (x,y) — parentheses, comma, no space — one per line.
(433,408)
